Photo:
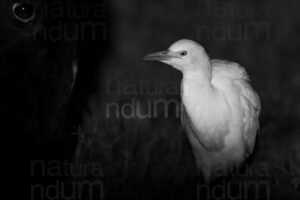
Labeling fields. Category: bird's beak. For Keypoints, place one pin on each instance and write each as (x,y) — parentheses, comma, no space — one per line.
(161,56)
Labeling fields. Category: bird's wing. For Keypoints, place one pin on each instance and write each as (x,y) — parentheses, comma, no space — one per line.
(248,97)
(209,144)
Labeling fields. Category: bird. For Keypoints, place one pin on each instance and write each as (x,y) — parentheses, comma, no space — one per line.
(219,108)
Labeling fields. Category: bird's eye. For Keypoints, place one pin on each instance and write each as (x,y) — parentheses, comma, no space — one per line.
(183,53)
(24,12)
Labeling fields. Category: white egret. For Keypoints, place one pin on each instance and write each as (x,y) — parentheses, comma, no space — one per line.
(219,108)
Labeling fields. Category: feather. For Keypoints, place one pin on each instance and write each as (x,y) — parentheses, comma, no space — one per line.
(248,97)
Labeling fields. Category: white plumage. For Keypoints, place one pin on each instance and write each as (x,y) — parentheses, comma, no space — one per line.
(220,109)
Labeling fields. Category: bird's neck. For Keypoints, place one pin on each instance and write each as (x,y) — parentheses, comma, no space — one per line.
(201,76)
(197,83)
(200,70)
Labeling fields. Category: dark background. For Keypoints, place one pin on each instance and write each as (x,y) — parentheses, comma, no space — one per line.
(42,118)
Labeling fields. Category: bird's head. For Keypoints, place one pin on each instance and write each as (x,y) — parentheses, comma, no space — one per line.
(183,55)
